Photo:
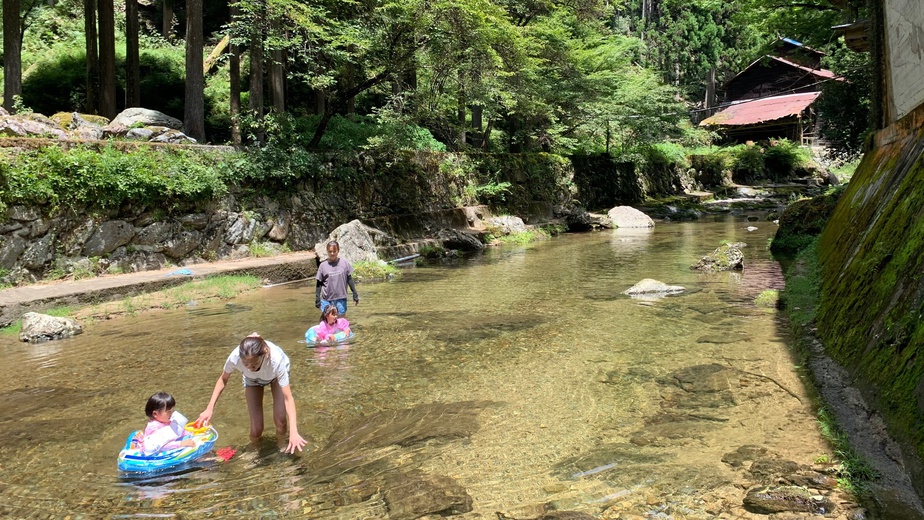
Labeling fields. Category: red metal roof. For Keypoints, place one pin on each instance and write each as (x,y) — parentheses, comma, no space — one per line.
(755,111)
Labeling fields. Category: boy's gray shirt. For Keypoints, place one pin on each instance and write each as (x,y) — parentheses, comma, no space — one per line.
(334,279)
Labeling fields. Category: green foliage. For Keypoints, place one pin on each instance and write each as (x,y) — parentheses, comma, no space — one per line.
(844,106)
(783,158)
(748,164)
(367,271)
(105,177)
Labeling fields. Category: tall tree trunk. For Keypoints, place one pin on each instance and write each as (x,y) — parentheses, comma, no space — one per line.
(460,109)
(234,77)
(709,102)
(277,76)
(12,53)
(107,73)
(320,101)
(132,58)
(90,36)
(350,81)
(256,81)
(167,24)
(194,111)
(477,123)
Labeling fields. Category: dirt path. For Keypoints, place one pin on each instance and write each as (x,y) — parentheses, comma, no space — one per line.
(16,301)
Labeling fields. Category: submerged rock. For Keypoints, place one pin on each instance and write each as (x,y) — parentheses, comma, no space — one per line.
(416,494)
(769,500)
(726,257)
(650,287)
(42,327)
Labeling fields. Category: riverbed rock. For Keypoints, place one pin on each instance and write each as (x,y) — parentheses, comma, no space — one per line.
(769,500)
(629,217)
(726,257)
(37,327)
(358,242)
(455,239)
(650,287)
(133,116)
(412,495)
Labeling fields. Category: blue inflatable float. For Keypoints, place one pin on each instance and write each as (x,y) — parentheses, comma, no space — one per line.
(133,460)
(312,339)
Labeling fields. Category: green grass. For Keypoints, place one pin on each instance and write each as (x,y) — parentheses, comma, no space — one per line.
(366,271)
(767,299)
(522,238)
(853,472)
(222,286)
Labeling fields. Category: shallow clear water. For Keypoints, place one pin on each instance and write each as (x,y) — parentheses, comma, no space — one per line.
(522,378)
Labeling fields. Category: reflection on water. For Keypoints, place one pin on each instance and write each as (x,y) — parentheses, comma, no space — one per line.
(518,381)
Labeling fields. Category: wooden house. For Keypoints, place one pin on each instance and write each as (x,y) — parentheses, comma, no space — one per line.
(773,96)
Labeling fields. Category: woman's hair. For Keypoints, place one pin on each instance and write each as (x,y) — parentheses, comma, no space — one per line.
(159,401)
(330,309)
(252,345)
(334,243)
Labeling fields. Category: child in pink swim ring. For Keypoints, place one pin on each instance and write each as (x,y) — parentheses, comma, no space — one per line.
(331,324)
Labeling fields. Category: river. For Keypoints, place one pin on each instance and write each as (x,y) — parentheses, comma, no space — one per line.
(518,381)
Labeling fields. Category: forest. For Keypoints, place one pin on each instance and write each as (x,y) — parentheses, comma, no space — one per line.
(561,76)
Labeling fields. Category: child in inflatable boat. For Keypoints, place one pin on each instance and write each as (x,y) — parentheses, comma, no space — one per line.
(166,427)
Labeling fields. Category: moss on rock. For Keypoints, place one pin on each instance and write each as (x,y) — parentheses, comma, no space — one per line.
(871,256)
(802,221)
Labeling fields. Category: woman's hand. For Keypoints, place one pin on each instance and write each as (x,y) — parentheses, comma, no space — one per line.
(204,419)
(296,442)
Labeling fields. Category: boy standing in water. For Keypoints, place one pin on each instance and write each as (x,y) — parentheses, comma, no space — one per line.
(334,275)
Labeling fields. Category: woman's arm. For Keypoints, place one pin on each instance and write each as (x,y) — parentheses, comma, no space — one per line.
(295,440)
(206,416)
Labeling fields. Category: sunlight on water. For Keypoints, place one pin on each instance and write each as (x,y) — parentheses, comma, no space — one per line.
(516,381)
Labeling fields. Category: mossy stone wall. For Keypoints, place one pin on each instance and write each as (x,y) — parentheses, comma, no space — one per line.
(871,313)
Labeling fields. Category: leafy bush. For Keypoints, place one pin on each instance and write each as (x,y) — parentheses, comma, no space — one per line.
(108,178)
(783,157)
(747,164)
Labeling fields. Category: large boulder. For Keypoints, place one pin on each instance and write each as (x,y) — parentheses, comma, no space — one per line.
(136,116)
(358,242)
(629,217)
(42,327)
(455,239)
(505,225)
